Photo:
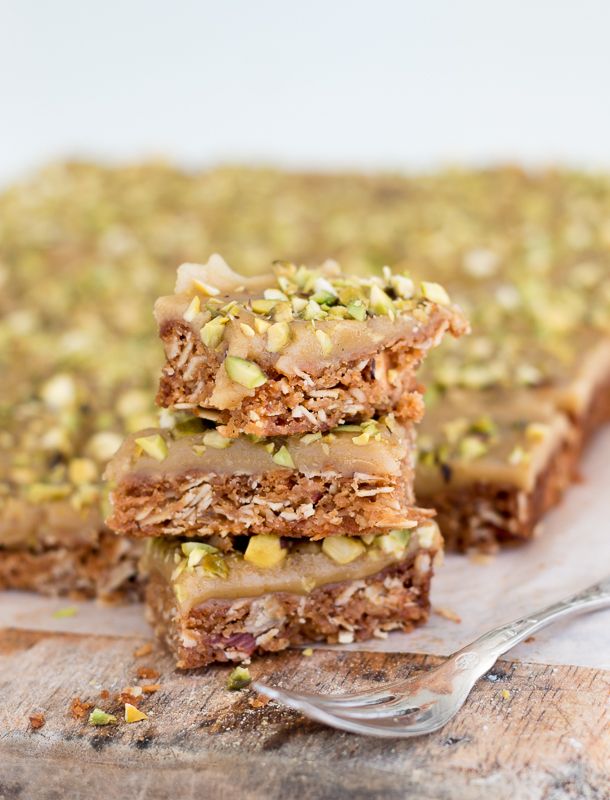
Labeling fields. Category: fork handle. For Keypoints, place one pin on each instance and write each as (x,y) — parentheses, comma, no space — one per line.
(494,643)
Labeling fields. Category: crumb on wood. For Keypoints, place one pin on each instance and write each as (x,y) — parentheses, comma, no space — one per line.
(448,613)
(482,558)
(143,650)
(79,708)
(131,695)
(150,688)
(37,721)
(505,694)
(104,694)
(147,673)
(259,702)
(530,639)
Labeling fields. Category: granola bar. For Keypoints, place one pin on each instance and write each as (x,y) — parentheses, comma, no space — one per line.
(229,608)
(353,480)
(300,350)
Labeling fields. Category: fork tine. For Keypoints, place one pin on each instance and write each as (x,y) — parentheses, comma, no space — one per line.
(348,700)
(391,727)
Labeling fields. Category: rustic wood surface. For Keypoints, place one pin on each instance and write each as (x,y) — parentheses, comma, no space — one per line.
(548,738)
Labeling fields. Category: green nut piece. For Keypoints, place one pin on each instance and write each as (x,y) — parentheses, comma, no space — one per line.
(238,679)
(278,336)
(215,564)
(381,303)
(313,311)
(99,717)
(246,373)
(154,446)
(213,331)
(283,458)
(274,294)
(357,310)
(261,326)
(471,448)
(395,541)
(265,550)
(263,306)
(325,342)
(216,440)
(435,292)
(343,549)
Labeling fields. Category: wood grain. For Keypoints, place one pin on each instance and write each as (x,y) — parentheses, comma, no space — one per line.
(548,739)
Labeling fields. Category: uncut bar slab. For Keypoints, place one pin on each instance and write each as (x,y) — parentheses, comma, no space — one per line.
(493,462)
(55,550)
(333,349)
(307,598)
(355,480)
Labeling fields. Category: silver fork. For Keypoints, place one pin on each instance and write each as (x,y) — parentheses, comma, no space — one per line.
(424,703)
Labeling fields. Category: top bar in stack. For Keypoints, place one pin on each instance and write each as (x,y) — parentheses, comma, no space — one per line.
(299,350)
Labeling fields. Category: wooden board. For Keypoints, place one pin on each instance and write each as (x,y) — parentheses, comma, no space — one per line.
(549,739)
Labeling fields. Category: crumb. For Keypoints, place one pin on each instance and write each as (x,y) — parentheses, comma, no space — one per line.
(63,613)
(308,651)
(447,613)
(130,695)
(149,688)
(147,673)
(143,650)
(505,694)
(79,709)
(133,714)
(37,721)
(104,694)
(482,558)
(529,639)
(259,702)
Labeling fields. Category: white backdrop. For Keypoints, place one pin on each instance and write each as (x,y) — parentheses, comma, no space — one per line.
(390,83)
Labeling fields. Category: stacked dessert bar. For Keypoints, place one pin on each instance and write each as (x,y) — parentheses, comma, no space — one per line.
(277,497)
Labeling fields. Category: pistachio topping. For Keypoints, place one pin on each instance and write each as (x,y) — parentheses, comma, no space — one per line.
(326,343)
(265,550)
(238,679)
(278,336)
(99,717)
(244,372)
(283,458)
(213,332)
(435,292)
(154,446)
(133,714)
(343,549)
(193,309)
(216,440)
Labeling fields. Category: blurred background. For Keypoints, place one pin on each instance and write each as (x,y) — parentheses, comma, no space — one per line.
(358,85)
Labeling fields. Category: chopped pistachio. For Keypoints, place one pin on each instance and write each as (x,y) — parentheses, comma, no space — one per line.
(278,336)
(187,427)
(82,470)
(343,549)
(313,311)
(537,431)
(381,303)
(427,534)
(246,373)
(205,288)
(265,550)
(193,309)
(198,449)
(308,651)
(357,310)
(403,286)
(347,429)
(45,492)
(274,294)
(191,547)
(238,679)
(269,447)
(154,446)
(395,541)
(216,440)
(263,306)
(472,447)
(283,312)
(325,342)
(215,564)
(133,714)
(283,458)
(298,304)
(435,292)
(261,326)
(518,456)
(65,613)
(363,438)
(309,438)
(247,330)
(213,332)
(99,717)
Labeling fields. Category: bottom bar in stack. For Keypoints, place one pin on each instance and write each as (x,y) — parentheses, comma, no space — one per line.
(273,593)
